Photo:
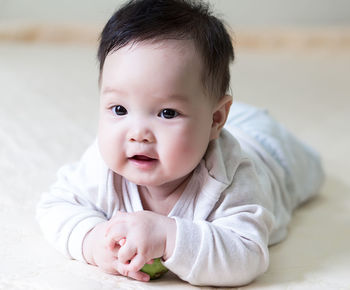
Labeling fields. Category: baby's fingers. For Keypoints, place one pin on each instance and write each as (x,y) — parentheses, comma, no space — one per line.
(138,275)
(126,253)
(136,263)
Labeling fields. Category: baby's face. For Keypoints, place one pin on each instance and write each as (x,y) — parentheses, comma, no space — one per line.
(155,119)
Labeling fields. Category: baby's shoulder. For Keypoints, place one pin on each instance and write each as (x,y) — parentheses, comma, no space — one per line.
(224,156)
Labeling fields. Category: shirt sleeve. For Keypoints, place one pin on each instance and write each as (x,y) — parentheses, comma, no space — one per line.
(230,247)
(72,206)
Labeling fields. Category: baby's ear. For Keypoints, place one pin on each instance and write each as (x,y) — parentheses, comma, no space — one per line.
(220,114)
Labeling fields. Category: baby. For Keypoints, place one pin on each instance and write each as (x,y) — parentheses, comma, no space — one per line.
(164,178)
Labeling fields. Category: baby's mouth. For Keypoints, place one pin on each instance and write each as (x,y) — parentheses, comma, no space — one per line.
(141,158)
(143,162)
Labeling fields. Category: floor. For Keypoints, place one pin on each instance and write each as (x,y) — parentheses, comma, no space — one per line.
(48,99)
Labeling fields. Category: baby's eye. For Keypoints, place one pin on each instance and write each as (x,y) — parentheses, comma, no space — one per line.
(119,110)
(168,113)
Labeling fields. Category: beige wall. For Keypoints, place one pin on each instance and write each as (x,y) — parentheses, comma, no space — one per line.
(238,13)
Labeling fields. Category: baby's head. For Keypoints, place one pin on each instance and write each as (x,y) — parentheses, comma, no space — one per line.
(157,20)
(164,75)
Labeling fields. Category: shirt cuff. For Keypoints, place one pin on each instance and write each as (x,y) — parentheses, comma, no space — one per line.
(76,238)
(188,239)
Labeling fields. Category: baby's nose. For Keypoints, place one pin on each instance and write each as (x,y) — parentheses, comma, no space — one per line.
(141,135)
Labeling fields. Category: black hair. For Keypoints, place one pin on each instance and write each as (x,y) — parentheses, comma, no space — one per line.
(141,20)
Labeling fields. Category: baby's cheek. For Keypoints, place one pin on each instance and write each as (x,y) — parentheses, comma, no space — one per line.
(110,148)
(184,154)
(193,143)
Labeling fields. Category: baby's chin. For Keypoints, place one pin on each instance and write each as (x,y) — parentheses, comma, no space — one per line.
(152,180)
(144,180)
(149,182)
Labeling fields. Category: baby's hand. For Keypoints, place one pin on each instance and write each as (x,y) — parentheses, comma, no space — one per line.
(102,252)
(144,235)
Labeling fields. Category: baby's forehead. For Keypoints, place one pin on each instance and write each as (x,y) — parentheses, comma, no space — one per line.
(161,53)
(168,66)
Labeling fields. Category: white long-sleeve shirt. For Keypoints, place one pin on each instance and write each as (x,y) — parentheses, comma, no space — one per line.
(237,203)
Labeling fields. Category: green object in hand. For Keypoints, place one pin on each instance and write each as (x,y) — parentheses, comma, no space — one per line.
(154,270)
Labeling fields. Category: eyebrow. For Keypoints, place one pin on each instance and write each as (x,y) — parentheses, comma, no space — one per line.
(111,90)
(177,97)
(173,97)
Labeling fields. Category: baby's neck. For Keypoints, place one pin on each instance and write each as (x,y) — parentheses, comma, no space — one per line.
(161,199)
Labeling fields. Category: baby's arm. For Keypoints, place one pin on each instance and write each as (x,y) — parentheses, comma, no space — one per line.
(70,209)
(222,253)
(230,247)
